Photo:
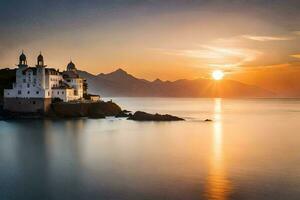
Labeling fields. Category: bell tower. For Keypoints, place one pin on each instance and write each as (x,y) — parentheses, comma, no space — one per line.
(41,72)
(22,60)
(40,60)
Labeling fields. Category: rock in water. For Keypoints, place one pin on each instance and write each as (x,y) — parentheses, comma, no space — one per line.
(124,113)
(143,116)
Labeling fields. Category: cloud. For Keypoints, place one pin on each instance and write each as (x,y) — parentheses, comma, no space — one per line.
(295,56)
(228,40)
(215,56)
(271,66)
(266,38)
(297,32)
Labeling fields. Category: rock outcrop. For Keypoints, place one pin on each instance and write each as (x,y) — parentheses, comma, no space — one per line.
(92,110)
(124,113)
(143,116)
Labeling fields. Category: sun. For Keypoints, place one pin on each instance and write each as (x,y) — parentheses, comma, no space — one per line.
(217,75)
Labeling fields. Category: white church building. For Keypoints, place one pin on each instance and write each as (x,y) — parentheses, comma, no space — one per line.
(36,87)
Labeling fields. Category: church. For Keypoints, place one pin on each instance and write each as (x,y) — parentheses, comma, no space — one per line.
(37,87)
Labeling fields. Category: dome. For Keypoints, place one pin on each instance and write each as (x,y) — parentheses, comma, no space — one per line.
(40,57)
(22,60)
(22,57)
(71,66)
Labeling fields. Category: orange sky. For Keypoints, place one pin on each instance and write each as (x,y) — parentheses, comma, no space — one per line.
(256,43)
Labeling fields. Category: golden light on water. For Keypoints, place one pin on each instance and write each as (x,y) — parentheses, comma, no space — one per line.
(218,186)
(217,75)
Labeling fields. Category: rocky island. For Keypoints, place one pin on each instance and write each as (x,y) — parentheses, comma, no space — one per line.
(143,116)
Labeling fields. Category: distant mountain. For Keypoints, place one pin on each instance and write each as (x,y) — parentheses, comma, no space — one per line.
(120,83)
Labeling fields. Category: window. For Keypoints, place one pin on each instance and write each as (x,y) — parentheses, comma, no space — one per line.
(37,92)
(33,102)
(62,92)
(28,85)
(57,92)
(24,80)
(19,92)
(8,93)
(28,92)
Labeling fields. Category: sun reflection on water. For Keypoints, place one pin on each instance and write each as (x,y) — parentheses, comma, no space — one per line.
(217,186)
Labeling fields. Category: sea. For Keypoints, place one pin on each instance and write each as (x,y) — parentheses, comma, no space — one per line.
(249,151)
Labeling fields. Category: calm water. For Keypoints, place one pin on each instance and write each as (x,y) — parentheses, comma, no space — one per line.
(250,151)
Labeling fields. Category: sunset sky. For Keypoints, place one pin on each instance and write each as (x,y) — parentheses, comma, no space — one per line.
(257,42)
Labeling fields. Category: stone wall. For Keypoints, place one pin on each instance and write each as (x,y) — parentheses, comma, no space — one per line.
(27,105)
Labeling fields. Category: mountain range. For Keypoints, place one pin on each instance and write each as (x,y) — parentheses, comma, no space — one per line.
(121,83)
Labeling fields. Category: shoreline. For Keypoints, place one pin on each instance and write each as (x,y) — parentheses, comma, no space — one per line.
(91,110)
